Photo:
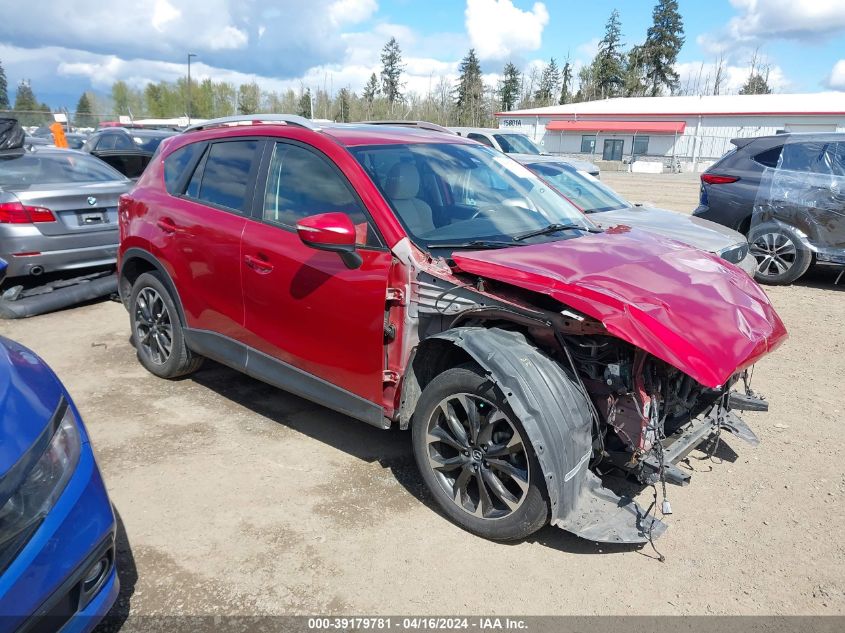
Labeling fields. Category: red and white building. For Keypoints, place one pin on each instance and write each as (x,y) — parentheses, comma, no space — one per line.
(689,131)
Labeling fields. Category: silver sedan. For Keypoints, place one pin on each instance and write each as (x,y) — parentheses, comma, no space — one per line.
(607,208)
(58,211)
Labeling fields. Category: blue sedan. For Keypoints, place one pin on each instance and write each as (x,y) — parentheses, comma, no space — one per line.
(57,528)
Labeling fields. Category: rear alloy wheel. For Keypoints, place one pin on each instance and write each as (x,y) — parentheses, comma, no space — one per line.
(781,257)
(476,459)
(153,328)
(157,331)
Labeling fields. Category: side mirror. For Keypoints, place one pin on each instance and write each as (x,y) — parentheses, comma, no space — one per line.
(331,232)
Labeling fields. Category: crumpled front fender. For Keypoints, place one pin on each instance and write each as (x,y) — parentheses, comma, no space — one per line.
(556,417)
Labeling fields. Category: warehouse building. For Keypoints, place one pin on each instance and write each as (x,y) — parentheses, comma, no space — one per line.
(672,133)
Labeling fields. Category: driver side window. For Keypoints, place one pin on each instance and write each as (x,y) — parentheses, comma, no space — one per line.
(300,184)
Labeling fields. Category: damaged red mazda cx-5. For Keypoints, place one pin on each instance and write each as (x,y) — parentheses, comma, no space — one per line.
(410,277)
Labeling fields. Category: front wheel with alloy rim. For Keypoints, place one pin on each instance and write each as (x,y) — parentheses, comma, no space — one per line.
(780,254)
(157,330)
(475,457)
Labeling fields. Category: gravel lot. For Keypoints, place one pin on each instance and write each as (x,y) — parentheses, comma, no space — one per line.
(236,498)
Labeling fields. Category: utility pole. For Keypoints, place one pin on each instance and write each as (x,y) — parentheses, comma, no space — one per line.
(188,108)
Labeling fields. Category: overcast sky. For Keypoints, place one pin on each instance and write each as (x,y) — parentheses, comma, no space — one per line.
(65,47)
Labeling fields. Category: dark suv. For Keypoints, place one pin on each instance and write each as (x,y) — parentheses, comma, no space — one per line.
(413,278)
(787,194)
(128,150)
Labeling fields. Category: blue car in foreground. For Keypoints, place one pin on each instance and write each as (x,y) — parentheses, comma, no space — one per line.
(57,528)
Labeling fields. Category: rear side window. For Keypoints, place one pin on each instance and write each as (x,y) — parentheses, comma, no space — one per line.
(106,142)
(301,183)
(770,157)
(176,164)
(481,139)
(224,178)
(820,157)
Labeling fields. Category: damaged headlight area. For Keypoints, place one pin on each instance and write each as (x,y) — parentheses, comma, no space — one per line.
(649,416)
(653,414)
(33,485)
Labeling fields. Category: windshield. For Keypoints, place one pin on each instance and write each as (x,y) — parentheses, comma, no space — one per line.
(448,194)
(582,189)
(516,144)
(32,168)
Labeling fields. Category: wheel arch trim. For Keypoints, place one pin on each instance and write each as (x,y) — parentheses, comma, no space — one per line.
(135,253)
(554,414)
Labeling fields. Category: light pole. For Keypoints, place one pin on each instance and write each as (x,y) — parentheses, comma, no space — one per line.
(188,109)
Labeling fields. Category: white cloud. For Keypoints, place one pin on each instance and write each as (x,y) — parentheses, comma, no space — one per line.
(497,29)
(164,12)
(352,11)
(836,80)
(765,20)
(698,77)
(294,35)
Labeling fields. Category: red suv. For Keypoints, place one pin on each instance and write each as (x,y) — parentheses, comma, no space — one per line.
(409,277)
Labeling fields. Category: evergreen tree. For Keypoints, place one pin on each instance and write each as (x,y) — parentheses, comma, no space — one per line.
(371,90)
(664,41)
(391,72)
(634,80)
(549,84)
(4,90)
(344,105)
(304,106)
(249,98)
(609,60)
(25,98)
(566,83)
(469,92)
(510,86)
(757,84)
(83,117)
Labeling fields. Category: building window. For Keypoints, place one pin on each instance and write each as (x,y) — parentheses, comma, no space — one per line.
(588,143)
(640,145)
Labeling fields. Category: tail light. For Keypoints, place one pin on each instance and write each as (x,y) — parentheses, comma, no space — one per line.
(16,213)
(716,179)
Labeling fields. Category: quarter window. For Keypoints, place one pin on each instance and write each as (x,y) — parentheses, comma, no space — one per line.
(770,157)
(301,183)
(225,175)
(176,164)
(588,143)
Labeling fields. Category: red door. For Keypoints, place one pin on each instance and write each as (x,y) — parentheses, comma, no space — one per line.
(199,235)
(303,306)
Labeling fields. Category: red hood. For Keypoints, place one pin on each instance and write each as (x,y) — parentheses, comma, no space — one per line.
(700,314)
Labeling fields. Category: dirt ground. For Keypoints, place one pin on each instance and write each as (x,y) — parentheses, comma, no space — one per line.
(236,498)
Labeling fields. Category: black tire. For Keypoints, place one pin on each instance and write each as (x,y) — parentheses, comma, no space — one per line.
(781,256)
(155,323)
(532,511)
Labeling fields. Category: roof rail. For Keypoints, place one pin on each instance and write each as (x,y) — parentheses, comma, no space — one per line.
(423,125)
(243,119)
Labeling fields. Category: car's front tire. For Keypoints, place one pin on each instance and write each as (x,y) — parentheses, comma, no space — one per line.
(780,253)
(475,457)
(157,330)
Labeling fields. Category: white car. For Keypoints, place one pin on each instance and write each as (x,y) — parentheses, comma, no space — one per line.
(519,146)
